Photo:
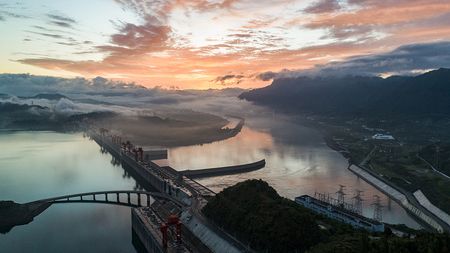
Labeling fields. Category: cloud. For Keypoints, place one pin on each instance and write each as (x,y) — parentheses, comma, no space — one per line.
(170,39)
(61,21)
(405,60)
(408,59)
(388,17)
(229,79)
(61,18)
(12,15)
(266,76)
(62,24)
(284,73)
(138,39)
(50,35)
(323,6)
(103,95)
(28,85)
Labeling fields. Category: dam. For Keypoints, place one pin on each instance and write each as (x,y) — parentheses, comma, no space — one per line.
(187,193)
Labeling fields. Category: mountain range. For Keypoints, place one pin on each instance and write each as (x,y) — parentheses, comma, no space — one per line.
(427,95)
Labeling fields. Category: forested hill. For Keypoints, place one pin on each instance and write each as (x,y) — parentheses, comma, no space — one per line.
(427,94)
(254,212)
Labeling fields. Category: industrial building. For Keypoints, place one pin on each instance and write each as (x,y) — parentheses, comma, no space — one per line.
(339,213)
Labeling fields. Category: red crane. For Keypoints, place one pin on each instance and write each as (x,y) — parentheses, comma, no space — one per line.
(172,220)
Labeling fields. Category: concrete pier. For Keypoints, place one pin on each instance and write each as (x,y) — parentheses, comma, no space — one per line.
(227,170)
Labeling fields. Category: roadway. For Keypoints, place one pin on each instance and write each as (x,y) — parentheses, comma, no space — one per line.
(409,196)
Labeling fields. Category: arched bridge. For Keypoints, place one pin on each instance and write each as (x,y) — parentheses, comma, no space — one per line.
(124,198)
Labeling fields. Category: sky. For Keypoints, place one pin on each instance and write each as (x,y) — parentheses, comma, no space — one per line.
(202,44)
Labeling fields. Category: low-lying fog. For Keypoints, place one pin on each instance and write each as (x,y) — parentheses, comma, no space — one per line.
(155,117)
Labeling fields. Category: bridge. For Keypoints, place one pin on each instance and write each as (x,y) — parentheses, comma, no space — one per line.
(133,198)
(13,214)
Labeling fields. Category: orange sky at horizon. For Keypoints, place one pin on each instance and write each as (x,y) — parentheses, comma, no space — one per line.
(203,44)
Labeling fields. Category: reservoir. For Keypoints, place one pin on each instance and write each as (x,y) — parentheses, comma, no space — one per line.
(298,162)
(35,165)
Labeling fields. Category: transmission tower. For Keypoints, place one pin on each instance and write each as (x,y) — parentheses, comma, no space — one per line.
(358,202)
(341,195)
(378,208)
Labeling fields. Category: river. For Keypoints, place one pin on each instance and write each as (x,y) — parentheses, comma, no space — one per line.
(36,165)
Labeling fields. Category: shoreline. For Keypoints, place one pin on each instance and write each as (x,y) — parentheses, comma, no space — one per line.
(219,135)
(410,200)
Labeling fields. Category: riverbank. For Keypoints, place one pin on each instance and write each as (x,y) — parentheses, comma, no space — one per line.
(402,197)
(13,214)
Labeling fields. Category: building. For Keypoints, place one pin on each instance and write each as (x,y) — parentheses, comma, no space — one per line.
(340,214)
(386,137)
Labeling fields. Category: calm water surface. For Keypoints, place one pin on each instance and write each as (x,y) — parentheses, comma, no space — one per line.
(36,165)
(297,162)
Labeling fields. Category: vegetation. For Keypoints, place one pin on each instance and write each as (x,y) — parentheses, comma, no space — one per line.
(258,216)
(422,243)
(438,155)
(357,96)
(397,161)
(351,109)
(255,213)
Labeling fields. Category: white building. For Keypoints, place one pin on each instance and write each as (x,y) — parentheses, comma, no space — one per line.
(383,137)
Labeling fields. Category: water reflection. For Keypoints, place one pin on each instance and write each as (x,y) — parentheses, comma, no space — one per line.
(297,162)
(35,165)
